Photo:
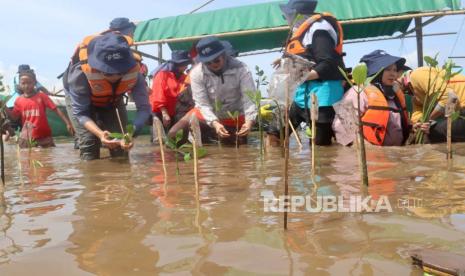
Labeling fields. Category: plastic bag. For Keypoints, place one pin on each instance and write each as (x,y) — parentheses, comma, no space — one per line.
(292,72)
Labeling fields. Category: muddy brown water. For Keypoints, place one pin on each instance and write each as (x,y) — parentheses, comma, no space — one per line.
(110,217)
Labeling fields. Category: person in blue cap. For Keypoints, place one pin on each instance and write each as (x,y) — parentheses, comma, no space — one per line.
(97,85)
(168,81)
(219,83)
(123,25)
(382,104)
(317,37)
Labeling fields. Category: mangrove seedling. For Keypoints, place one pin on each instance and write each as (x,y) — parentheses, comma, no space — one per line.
(360,82)
(186,150)
(235,116)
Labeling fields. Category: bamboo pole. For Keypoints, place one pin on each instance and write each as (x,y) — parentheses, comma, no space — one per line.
(361,140)
(286,150)
(419,37)
(314,115)
(297,137)
(3,156)
(450,110)
(194,126)
(119,120)
(158,128)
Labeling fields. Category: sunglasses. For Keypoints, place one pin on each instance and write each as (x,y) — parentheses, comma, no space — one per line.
(215,61)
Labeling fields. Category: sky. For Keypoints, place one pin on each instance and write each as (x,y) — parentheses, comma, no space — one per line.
(44,33)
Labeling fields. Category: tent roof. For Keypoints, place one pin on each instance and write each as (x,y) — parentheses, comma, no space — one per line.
(266,18)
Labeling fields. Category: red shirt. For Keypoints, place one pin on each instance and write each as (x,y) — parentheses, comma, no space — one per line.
(165,90)
(33,110)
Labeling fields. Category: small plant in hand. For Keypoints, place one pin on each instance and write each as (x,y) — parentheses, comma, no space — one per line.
(435,90)
(126,137)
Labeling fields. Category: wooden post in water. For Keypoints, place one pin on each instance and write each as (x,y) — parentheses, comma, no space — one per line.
(361,140)
(286,150)
(2,150)
(314,115)
(295,134)
(195,130)
(158,129)
(450,110)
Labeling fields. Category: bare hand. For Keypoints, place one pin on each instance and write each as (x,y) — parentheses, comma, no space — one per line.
(245,129)
(70,129)
(125,146)
(220,130)
(108,142)
(276,63)
(424,127)
(166,119)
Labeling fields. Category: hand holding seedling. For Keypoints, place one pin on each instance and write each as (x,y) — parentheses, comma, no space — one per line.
(108,141)
(166,119)
(424,127)
(220,129)
(245,129)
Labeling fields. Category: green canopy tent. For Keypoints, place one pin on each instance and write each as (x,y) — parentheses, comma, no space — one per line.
(262,26)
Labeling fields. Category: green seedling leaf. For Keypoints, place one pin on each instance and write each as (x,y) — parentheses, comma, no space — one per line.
(218,105)
(187,156)
(130,129)
(179,135)
(201,152)
(454,116)
(370,79)
(37,163)
(359,73)
(432,62)
(186,146)
(170,143)
(116,135)
(308,132)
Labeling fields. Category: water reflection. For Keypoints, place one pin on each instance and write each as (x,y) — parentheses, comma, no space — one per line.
(108,217)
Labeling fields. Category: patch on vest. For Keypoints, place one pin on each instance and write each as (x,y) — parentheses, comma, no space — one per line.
(97,87)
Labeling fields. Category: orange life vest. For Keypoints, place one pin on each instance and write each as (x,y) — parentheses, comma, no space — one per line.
(102,91)
(375,119)
(294,45)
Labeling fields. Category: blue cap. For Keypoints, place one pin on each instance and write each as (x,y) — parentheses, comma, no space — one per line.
(122,24)
(229,48)
(110,54)
(23,67)
(299,7)
(180,57)
(209,48)
(379,59)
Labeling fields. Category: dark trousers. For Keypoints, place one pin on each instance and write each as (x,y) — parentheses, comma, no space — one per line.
(324,131)
(106,119)
(72,118)
(438,132)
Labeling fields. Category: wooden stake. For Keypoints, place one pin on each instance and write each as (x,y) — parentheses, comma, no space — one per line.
(2,150)
(286,150)
(295,134)
(194,125)
(314,115)
(362,153)
(119,120)
(450,109)
(158,126)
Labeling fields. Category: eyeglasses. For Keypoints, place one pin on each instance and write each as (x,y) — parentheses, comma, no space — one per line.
(215,61)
